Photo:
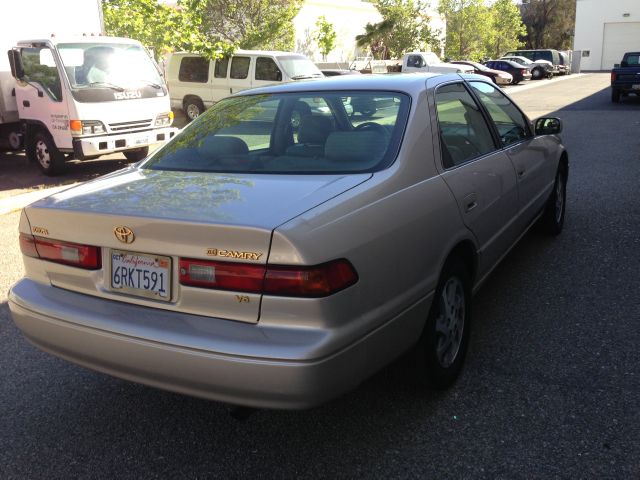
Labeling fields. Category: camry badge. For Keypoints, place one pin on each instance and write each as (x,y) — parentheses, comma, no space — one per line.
(124,234)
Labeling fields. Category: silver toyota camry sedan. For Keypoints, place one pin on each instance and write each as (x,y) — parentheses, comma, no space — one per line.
(285,246)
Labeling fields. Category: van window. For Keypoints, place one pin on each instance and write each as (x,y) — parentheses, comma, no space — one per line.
(240,67)
(220,70)
(266,69)
(194,69)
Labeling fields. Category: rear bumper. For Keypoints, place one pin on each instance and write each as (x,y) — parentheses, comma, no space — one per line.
(105,144)
(239,363)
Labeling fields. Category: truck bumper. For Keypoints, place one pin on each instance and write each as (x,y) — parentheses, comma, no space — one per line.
(89,147)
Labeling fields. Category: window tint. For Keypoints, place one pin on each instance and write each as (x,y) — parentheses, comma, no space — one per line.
(39,67)
(240,67)
(633,59)
(512,125)
(296,133)
(221,67)
(266,69)
(464,132)
(415,61)
(194,69)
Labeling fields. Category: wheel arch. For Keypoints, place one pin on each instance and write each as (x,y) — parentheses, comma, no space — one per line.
(466,252)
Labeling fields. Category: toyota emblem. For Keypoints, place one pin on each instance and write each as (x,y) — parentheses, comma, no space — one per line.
(124,234)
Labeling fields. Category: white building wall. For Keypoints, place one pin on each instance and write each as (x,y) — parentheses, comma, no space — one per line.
(591,17)
(348,18)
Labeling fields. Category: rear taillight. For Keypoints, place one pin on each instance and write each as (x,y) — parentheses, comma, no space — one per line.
(317,281)
(74,254)
(614,76)
(523,71)
(240,277)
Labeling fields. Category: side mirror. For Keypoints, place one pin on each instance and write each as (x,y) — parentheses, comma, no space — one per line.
(616,65)
(15,60)
(278,76)
(548,126)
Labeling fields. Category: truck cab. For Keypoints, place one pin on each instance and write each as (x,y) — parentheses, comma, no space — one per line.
(84,97)
(430,62)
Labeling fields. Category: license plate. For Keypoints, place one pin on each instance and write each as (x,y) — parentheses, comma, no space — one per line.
(142,141)
(636,87)
(141,274)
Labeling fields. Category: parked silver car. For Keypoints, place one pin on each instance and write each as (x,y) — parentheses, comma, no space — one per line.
(255,263)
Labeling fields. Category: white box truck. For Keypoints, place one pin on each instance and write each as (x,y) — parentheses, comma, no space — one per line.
(68,92)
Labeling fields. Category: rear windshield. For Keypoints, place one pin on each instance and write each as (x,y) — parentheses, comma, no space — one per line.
(318,132)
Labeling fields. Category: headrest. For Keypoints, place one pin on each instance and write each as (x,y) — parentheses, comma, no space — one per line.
(219,145)
(364,146)
(314,129)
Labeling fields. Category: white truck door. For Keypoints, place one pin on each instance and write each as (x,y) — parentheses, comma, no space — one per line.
(239,78)
(220,80)
(40,97)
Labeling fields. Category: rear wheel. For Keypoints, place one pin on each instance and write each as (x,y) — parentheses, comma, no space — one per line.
(537,73)
(136,155)
(42,150)
(615,95)
(15,140)
(193,108)
(445,338)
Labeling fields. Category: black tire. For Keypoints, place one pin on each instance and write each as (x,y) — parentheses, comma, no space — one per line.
(193,108)
(439,364)
(41,149)
(615,95)
(537,73)
(552,220)
(137,154)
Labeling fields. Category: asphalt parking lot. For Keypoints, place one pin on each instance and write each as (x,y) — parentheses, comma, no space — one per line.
(551,388)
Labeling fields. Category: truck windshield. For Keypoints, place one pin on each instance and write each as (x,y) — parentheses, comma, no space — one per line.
(298,67)
(115,66)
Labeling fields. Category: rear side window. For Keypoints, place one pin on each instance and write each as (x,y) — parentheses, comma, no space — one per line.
(266,69)
(322,132)
(220,69)
(511,123)
(464,133)
(194,69)
(633,59)
(240,67)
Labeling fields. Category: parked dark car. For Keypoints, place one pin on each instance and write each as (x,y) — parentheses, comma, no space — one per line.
(625,77)
(548,54)
(517,71)
(498,77)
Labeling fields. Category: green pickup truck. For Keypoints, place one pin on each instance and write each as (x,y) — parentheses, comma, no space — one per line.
(625,78)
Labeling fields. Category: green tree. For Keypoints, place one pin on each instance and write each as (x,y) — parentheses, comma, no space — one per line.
(404,27)
(325,36)
(549,23)
(469,25)
(161,27)
(250,24)
(507,29)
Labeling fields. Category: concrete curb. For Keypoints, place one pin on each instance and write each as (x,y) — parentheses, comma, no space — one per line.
(18,202)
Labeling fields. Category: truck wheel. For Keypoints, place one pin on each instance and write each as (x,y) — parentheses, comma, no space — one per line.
(615,95)
(193,108)
(42,150)
(15,140)
(136,155)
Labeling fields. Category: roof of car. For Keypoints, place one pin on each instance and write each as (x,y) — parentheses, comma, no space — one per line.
(404,82)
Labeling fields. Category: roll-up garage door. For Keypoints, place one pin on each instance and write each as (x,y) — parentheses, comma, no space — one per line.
(619,38)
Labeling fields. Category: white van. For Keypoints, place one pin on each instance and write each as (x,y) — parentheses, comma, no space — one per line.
(196,83)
